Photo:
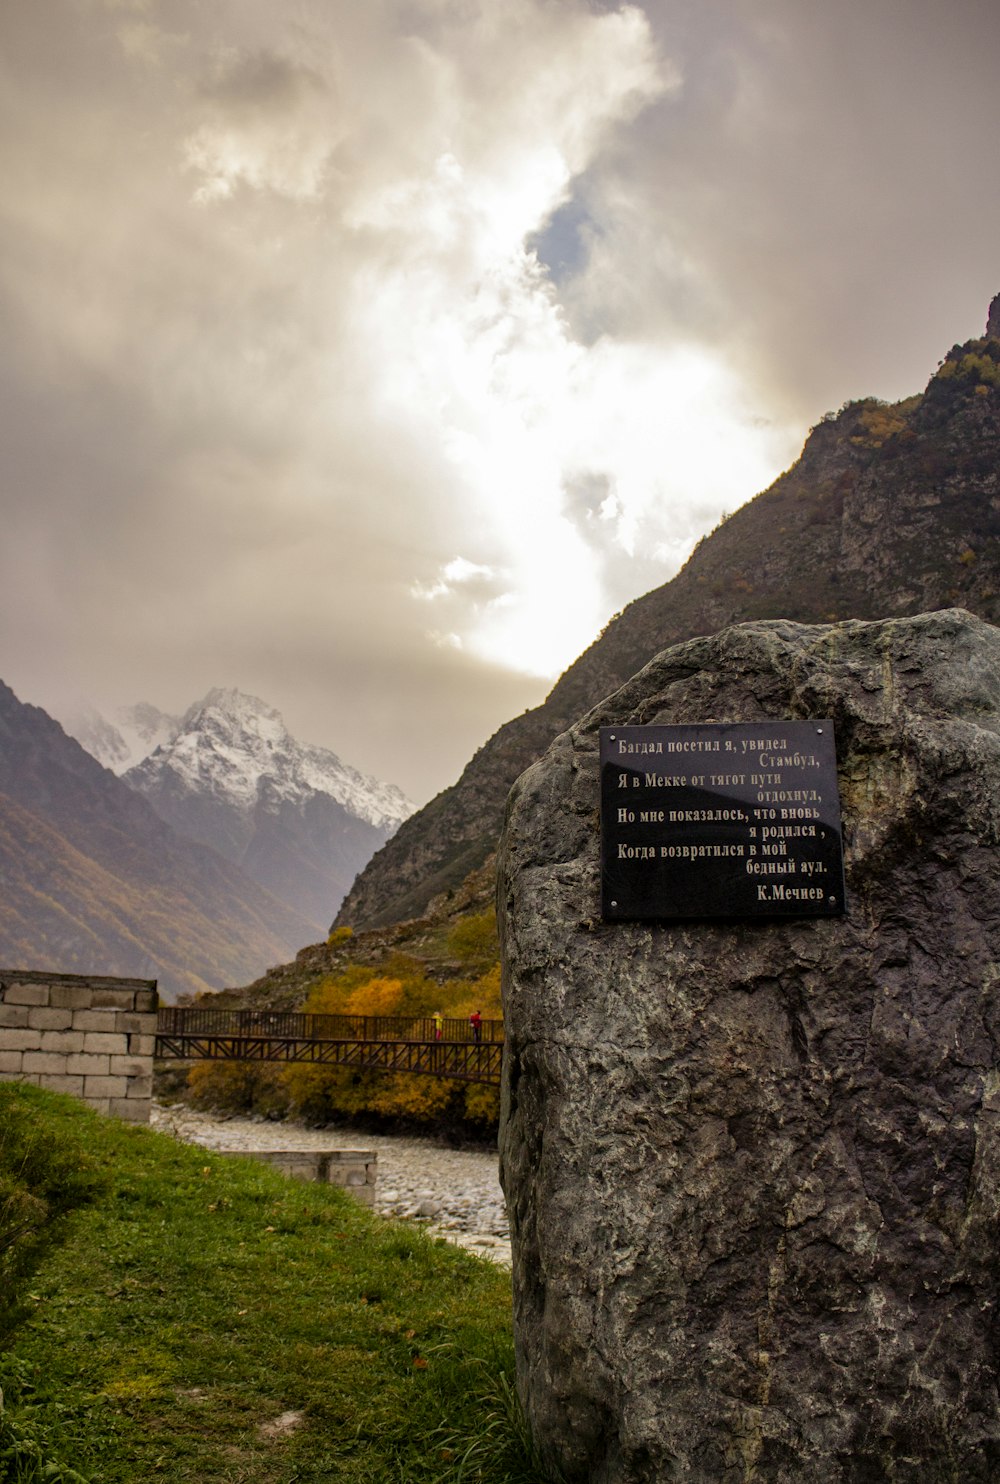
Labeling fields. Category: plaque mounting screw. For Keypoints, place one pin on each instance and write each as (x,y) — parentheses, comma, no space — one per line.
(832,901)
(614,904)
(819,731)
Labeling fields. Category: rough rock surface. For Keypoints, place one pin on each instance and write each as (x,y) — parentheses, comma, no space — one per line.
(753,1168)
(993,320)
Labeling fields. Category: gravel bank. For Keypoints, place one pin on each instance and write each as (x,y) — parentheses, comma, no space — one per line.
(453,1192)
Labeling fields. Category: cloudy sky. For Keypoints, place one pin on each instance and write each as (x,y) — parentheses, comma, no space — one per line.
(367,355)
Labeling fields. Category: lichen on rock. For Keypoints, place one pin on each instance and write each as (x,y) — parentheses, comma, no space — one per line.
(753,1168)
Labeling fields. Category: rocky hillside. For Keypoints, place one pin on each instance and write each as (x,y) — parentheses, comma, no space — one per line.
(891,509)
(423,942)
(95,882)
(295,818)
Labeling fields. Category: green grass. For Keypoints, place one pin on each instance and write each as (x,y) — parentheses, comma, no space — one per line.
(200,1298)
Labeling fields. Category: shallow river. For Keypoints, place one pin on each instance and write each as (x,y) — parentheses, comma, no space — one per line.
(453,1192)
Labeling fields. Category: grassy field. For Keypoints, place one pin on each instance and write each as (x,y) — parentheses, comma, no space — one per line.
(206,1319)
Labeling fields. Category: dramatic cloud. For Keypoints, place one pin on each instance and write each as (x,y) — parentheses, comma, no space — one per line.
(369,357)
(272,128)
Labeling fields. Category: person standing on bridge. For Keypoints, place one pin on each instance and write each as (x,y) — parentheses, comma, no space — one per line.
(476,1021)
(438,1019)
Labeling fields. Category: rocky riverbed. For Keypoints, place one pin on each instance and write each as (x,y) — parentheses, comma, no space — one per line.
(454,1193)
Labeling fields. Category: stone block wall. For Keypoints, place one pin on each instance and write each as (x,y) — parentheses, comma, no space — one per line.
(92,1037)
(353,1170)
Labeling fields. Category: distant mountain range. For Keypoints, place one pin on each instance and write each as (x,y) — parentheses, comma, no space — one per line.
(890,510)
(93,881)
(295,818)
(229,775)
(220,850)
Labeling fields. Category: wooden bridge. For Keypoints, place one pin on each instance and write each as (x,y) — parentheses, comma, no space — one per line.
(371,1043)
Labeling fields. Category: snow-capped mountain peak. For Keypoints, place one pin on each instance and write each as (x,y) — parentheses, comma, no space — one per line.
(229,774)
(233,746)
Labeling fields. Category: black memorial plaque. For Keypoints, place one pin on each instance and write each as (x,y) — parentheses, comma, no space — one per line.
(720,820)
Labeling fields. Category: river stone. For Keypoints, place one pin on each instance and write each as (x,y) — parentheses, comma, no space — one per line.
(753,1168)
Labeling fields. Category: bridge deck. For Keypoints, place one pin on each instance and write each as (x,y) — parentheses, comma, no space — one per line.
(367,1042)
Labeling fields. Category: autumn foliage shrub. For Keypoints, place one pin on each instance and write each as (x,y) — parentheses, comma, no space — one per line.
(474,941)
(238,1087)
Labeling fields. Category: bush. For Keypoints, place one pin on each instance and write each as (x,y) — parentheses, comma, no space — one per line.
(474,941)
(238,1087)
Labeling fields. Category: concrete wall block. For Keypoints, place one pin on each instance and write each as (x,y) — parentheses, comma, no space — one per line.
(143,1045)
(13,1015)
(73,1086)
(89,1065)
(26,994)
(21,1040)
(64,1041)
(133,1110)
(44,1064)
(105,998)
(140,1087)
(105,1087)
(43,1018)
(10,1061)
(97,1020)
(147,1000)
(100,1105)
(130,1066)
(102,1041)
(11,1076)
(130,1020)
(71,996)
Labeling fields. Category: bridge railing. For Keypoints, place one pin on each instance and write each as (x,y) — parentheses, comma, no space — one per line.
(176,1020)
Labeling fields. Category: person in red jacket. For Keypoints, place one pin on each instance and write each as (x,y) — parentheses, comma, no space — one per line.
(476,1021)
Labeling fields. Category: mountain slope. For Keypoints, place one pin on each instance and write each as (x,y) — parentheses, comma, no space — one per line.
(95,882)
(889,510)
(296,819)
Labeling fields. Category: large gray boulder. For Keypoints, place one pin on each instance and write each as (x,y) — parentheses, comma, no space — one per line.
(753,1168)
